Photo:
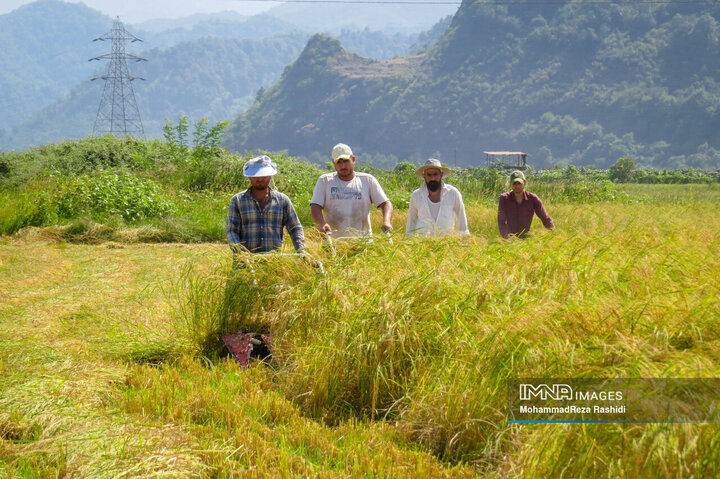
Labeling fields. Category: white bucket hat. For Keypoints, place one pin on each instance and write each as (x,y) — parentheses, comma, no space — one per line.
(433,163)
(260,166)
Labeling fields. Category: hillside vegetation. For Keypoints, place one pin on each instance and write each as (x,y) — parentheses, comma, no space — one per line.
(392,361)
(581,83)
(212,69)
(179,190)
(41,58)
(213,78)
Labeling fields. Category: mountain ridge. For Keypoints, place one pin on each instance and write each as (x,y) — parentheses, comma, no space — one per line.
(568,83)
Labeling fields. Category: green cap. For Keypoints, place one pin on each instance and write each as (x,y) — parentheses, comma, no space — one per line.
(516,176)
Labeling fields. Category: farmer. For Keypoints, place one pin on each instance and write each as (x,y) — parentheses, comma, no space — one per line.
(257,215)
(435,206)
(342,200)
(517,207)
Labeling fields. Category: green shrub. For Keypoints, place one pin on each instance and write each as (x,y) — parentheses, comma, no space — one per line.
(622,170)
(403,166)
(110,194)
(93,154)
(213,169)
(4,167)
(683,176)
(30,206)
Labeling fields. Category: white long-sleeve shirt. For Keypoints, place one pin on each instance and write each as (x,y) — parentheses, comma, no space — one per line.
(421,221)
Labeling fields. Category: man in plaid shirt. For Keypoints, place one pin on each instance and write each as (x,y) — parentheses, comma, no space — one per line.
(257,215)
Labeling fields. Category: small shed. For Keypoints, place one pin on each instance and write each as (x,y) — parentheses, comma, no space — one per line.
(511,160)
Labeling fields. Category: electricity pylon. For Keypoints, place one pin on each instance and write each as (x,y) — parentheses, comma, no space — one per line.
(118,112)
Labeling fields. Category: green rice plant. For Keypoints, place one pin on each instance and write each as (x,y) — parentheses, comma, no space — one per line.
(356,349)
(17,427)
(432,343)
(141,344)
(41,464)
(609,450)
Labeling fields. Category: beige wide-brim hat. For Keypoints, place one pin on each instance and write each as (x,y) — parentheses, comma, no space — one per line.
(432,163)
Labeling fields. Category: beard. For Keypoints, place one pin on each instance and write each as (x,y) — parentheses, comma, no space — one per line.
(433,185)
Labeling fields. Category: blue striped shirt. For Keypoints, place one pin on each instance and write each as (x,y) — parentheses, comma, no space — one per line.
(261,230)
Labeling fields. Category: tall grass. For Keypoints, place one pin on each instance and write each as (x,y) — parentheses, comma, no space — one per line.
(427,333)
(214,304)
(86,389)
(393,362)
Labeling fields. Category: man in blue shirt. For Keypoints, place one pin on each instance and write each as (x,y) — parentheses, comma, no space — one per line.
(257,215)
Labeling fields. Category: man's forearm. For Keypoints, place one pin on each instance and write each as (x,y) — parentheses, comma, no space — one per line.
(387,210)
(317,216)
(297,235)
(502,222)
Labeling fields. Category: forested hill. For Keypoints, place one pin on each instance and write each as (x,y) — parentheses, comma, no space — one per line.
(44,48)
(213,77)
(326,95)
(579,83)
(212,69)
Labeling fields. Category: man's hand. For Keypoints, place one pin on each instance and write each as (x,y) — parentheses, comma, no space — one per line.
(325,228)
(311,259)
(387,227)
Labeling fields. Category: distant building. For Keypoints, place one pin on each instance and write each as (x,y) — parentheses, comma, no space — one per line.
(510,160)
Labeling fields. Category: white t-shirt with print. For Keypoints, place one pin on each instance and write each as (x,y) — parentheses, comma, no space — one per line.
(346,204)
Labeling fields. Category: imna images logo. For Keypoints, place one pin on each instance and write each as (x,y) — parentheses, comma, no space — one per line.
(544,392)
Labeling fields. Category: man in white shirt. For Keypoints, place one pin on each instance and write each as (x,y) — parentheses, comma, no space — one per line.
(435,206)
(342,200)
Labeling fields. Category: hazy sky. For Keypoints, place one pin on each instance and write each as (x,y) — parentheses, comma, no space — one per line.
(135,11)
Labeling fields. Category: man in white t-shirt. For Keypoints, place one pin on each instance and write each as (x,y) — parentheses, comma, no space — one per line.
(342,200)
(435,206)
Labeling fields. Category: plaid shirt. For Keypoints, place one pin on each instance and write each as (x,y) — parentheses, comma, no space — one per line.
(261,230)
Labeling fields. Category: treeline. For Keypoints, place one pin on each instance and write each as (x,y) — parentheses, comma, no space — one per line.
(179,188)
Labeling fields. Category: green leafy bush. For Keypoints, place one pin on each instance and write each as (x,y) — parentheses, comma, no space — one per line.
(111,194)
(4,167)
(622,171)
(93,154)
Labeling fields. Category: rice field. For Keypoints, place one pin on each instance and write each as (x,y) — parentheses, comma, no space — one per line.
(391,361)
